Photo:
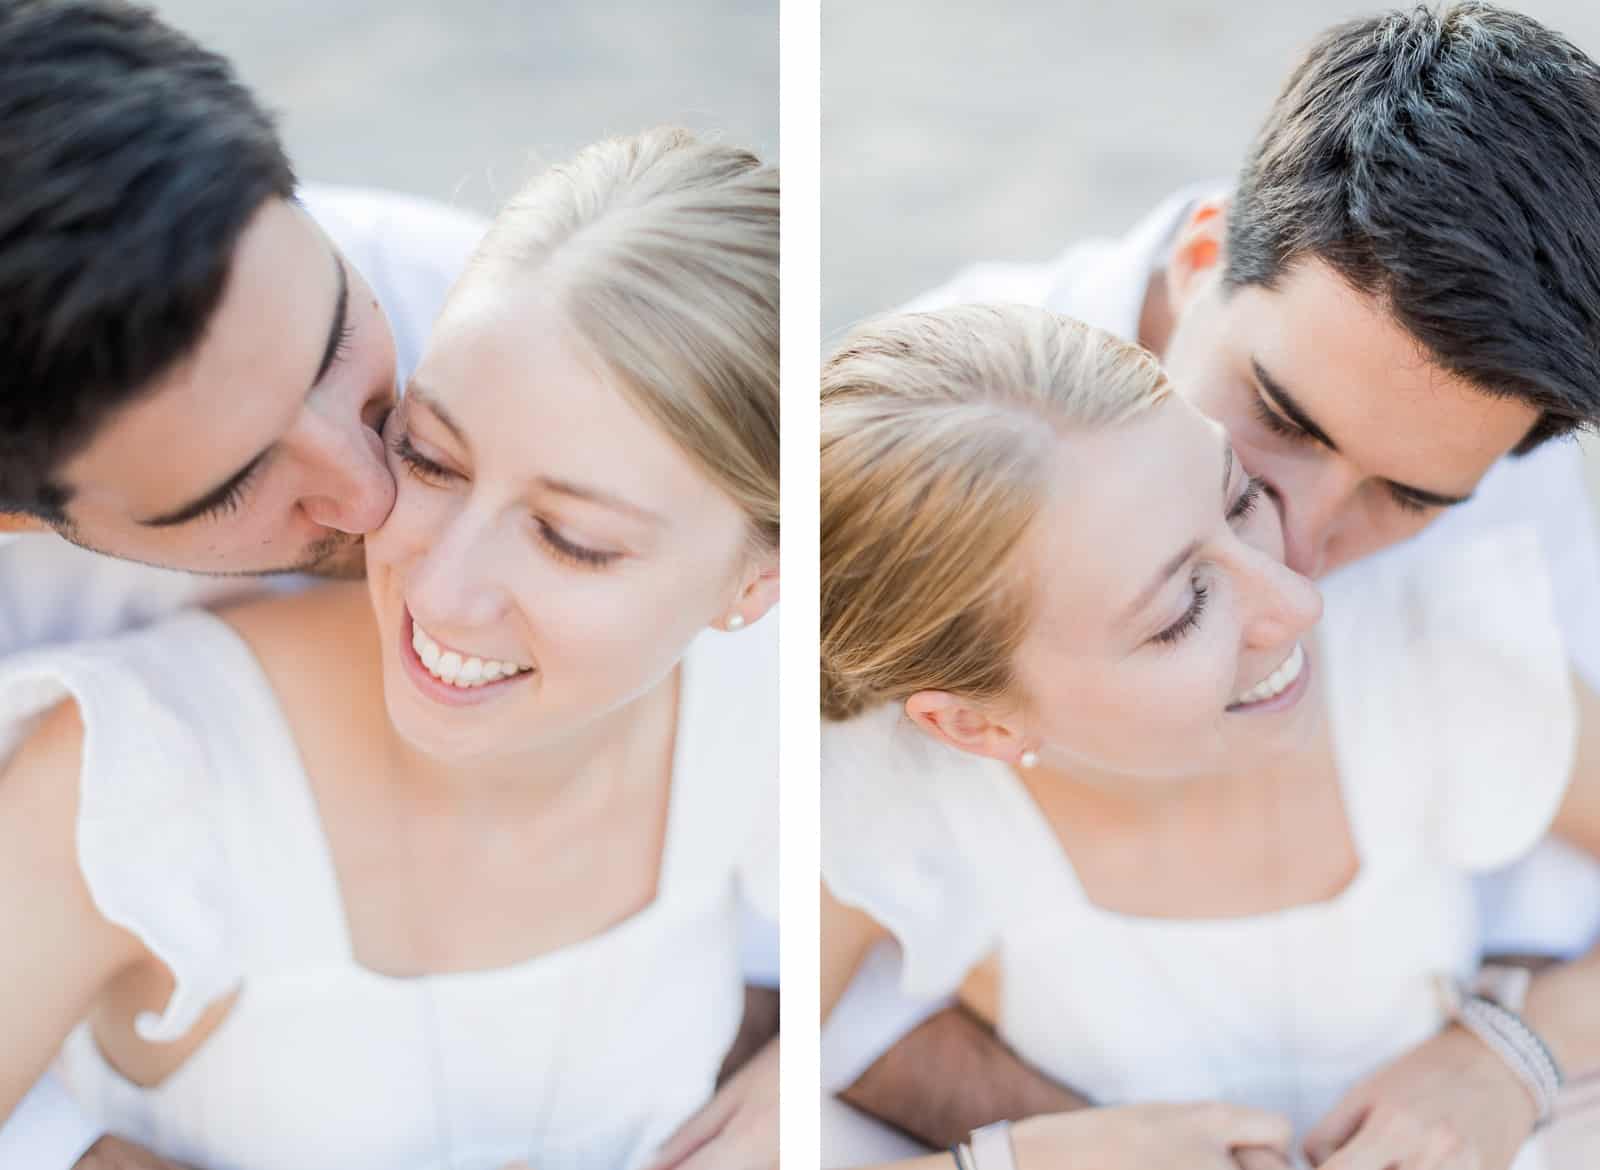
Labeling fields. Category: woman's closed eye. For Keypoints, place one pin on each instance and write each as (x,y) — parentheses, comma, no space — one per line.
(419,464)
(571,551)
(1247,501)
(1191,616)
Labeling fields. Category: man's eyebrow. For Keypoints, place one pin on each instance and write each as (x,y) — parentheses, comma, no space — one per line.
(341,315)
(200,506)
(1285,402)
(1296,414)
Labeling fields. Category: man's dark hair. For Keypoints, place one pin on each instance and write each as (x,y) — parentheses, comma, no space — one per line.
(1447,163)
(131,159)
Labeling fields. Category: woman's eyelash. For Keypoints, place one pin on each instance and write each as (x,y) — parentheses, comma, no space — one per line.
(1276,423)
(581,554)
(430,472)
(1247,501)
(1190,619)
(421,466)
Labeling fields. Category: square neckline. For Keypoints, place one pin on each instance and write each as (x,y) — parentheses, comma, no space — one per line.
(310,815)
(1047,844)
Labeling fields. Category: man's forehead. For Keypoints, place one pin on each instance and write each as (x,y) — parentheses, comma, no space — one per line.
(1371,386)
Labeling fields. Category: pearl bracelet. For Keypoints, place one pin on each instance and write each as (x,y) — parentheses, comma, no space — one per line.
(991,1147)
(1510,1038)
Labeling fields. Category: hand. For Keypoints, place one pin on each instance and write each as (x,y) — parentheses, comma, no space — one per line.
(738,1129)
(1209,1136)
(111,1153)
(1448,1104)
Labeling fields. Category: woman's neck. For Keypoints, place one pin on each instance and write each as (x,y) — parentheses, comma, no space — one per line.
(626,747)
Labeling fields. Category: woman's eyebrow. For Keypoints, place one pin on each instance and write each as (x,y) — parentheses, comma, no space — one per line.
(596,496)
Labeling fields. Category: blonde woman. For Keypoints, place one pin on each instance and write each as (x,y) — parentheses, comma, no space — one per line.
(460,847)
(1093,765)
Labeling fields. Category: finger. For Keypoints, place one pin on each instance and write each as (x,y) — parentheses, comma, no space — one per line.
(1261,1158)
(693,1134)
(1336,1129)
(1366,1151)
(1241,1125)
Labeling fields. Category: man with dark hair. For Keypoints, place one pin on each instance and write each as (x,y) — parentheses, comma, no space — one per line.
(1394,311)
(159,282)
(193,367)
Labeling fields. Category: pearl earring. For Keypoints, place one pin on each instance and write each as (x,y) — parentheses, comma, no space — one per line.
(736,622)
(1029,759)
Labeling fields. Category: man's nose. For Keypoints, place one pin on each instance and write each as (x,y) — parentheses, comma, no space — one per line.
(1316,508)
(353,488)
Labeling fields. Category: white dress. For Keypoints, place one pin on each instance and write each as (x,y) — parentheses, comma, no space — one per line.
(199,833)
(1454,726)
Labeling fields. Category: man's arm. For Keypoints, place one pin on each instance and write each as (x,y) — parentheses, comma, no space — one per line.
(111,1153)
(950,1075)
(944,1077)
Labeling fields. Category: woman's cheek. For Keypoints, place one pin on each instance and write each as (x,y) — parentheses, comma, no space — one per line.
(418,515)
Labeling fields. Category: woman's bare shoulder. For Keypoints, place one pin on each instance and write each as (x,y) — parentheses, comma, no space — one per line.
(313,646)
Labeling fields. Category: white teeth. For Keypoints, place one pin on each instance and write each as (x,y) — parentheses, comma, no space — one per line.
(451,666)
(1278,681)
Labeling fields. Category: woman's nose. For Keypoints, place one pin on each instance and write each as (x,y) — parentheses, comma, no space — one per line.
(456,579)
(1281,603)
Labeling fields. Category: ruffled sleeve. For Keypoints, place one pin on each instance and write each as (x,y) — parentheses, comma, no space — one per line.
(1460,717)
(889,849)
(149,829)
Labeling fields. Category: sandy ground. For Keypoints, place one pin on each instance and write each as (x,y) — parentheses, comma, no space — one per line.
(461,100)
(956,131)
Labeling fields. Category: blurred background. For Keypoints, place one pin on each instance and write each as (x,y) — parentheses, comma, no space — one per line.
(463,100)
(954,132)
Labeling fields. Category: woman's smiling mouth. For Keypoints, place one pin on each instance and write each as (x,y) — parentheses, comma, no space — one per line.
(1277,684)
(450,675)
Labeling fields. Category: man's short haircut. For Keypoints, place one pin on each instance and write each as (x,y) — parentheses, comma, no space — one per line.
(131,159)
(1447,163)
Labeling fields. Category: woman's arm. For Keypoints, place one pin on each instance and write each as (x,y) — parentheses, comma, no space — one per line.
(59,951)
(848,935)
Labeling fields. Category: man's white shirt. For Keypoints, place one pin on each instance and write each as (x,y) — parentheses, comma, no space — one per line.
(1547,904)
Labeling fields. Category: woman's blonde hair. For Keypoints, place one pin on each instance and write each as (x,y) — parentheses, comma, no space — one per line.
(662,250)
(938,435)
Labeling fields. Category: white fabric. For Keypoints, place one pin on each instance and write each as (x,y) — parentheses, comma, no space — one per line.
(1286,1010)
(51,1131)
(199,833)
(1548,902)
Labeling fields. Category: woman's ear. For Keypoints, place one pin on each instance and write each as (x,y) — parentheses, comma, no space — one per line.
(964,725)
(1198,253)
(757,594)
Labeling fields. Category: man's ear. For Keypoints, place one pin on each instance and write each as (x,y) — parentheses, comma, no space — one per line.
(757,594)
(1198,254)
(963,725)
(21,522)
